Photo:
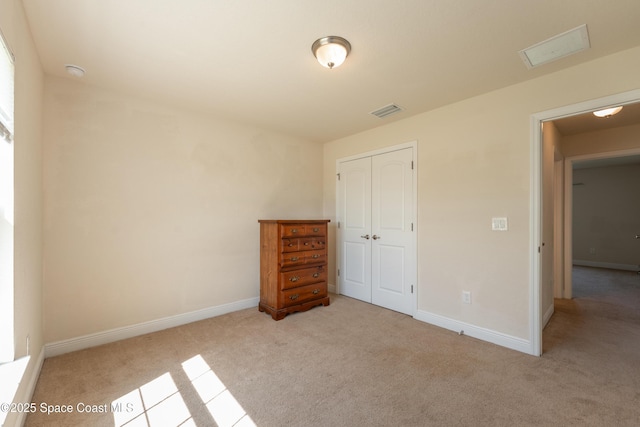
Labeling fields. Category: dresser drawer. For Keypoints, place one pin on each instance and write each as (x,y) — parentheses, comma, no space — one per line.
(291,245)
(303,294)
(312,243)
(293,230)
(300,230)
(303,244)
(297,278)
(315,257)
(315,230)
(293,259)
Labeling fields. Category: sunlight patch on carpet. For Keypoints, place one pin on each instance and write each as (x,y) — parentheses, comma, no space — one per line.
(156,403)
(223,407)
(159,402)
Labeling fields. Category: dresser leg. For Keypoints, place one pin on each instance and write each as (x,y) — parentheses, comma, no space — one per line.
(278,315)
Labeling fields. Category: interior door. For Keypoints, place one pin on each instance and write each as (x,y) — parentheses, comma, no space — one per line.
(355,228)
(392,235)
(377,244)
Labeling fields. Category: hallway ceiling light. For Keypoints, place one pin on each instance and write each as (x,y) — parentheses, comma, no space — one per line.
(607,112)
(331,51)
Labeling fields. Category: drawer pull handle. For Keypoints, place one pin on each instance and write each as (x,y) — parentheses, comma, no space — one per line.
(306,243)
(314,256)
(293,297)
(294,259)
(315,230)
(316,275)
(294,279)
(290,244)
(294,230)
(316,291)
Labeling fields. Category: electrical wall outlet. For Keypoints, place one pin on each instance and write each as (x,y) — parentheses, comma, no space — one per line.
(466,297)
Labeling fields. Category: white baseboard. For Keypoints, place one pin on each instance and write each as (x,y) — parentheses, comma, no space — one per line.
(483,334)
(31,387)
(105,337)
(18,381)
(331,288)
(611,265)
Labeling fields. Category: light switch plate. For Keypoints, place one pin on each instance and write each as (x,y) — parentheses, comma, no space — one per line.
(499,224)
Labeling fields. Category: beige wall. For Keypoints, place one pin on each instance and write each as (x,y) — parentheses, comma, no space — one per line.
(28,191)
(606,216)
(602,141)
(551,140)
(152,211)
(474,163)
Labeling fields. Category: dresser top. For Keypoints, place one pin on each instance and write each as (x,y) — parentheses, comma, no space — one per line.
(295,221)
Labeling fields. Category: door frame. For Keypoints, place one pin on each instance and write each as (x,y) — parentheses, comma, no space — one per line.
(535,228)
(414,255)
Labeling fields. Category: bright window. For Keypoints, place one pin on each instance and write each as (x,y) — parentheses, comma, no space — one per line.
(6,203)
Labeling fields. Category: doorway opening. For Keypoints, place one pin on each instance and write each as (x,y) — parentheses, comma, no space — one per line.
(552,189)
(597,235)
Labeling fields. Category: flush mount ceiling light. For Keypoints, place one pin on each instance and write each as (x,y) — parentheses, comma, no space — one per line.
(607,112)
(331,51)
(74,70)
(565,44)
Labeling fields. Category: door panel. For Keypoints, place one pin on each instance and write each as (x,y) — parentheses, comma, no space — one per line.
(355,268)
(355,199)
(390,194)
(391,277)
(357,186)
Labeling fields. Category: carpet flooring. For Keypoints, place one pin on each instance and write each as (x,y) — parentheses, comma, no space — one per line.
(355,364)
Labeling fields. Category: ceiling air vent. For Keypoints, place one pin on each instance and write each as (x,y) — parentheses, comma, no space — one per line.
(387,110)
(565,44)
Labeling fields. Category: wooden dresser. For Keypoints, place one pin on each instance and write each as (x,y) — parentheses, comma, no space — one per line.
(293,266)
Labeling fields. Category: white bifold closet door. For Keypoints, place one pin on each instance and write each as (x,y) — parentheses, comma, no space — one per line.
(377,246)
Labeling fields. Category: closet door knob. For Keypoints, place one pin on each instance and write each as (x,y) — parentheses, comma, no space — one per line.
(366,236)
(374,237)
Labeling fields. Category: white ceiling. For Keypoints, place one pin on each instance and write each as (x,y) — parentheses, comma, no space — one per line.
(251,60)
